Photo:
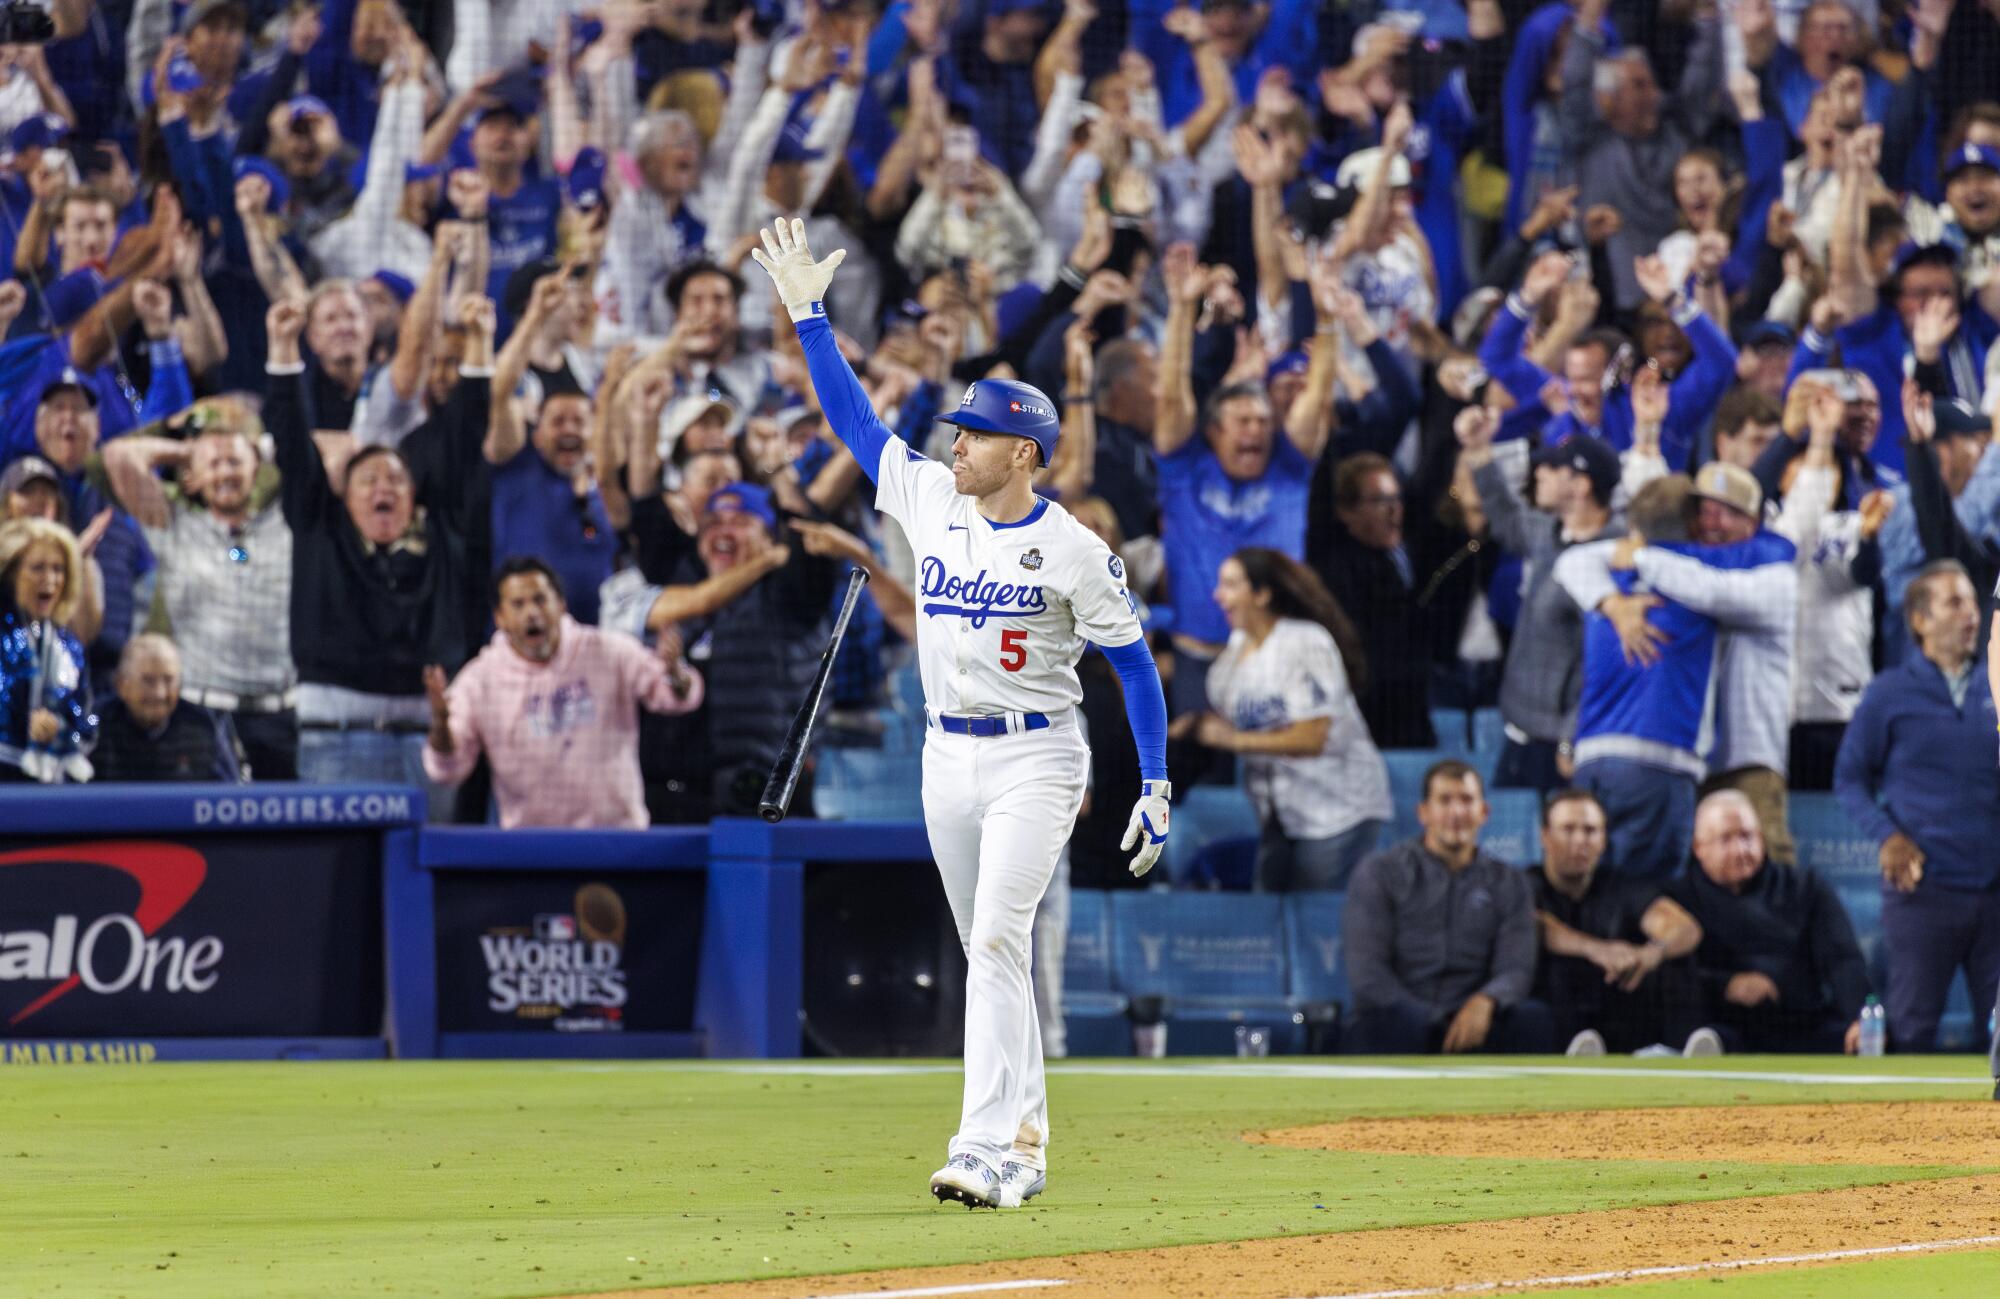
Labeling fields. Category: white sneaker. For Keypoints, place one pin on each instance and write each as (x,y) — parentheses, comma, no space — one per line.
(1702,1042)
(1025,1180)
(972,1182)
(1588,1042)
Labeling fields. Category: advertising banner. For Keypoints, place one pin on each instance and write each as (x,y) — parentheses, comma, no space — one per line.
(568,951)
(191,935)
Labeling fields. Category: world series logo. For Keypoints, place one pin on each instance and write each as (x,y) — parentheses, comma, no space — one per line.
(567,967)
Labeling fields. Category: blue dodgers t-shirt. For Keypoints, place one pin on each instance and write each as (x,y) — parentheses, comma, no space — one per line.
(521,228)
(1206,516)
(535,512)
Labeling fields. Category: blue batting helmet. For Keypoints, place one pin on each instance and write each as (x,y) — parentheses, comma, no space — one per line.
(1008,406)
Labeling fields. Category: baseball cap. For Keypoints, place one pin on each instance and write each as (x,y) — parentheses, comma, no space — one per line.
(1731,486)
(1911,252)
(1971,155)
(28,469)
(1956,417)
(71,377)
(506,108)
(907,312)
(304,105)
(1357,167)
(281,188)
(399,286)
(792,146)
(1292,362)
(42,131)
(73,295)
(1764,333)
(1590,456)
(745,498)
(585,182)
(683,413)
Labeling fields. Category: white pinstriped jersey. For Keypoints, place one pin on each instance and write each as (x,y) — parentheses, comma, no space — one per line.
(1003,610)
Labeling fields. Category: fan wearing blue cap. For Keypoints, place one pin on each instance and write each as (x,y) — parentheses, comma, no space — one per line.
(1972,198)
(306,145)
(1010,587)
(521,211)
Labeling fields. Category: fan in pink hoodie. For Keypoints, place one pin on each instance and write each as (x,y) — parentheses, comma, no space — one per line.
(554,705)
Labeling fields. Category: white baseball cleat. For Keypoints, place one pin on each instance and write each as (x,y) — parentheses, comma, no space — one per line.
(1702,1042)
(972,1182)
(1024,1180)
(1588,1042)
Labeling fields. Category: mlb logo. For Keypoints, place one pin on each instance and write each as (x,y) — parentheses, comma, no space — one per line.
(555,928)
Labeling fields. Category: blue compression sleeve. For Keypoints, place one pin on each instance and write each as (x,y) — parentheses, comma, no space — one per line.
(1145,704)
(840,394)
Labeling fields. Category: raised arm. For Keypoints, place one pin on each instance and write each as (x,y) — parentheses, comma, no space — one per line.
(802,284)
(1175,415)
(1849,283)
(505,433)
(1075,465)
(133,464)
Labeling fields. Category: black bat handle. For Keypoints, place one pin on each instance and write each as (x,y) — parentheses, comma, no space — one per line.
(784,778)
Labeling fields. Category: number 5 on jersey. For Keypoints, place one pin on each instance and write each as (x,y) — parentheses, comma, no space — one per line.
(1013,650)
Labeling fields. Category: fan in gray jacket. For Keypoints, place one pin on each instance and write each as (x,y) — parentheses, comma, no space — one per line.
(1573,484)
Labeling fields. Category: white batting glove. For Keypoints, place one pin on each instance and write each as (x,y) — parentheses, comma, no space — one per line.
(1148,826)
(785,258)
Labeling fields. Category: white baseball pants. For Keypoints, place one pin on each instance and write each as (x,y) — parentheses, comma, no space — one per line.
(999,810)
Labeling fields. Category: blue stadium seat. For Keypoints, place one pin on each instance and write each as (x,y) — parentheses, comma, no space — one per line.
(1514,829)
(1226,864)
(1317,964)
(1406,786)
(1202,815)
(1829,843)
(868,785)
(1489,733)
(1217,959)
(1093,1008)
(1454,731)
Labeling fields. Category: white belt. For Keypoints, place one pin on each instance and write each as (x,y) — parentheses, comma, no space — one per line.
(228,702)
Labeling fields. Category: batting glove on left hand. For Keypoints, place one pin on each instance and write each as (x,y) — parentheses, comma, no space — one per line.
(1148,826)
(801,281)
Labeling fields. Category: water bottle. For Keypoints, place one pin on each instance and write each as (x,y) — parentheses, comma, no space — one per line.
(1874,1028)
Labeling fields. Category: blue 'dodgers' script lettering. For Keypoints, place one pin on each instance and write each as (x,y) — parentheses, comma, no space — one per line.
(976,598)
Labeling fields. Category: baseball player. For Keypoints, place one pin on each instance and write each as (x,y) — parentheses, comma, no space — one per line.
(1009,588)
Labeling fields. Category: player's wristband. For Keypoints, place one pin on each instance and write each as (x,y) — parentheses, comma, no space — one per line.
(807,311)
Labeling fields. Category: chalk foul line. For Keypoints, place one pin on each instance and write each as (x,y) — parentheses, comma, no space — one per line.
(1644,1273)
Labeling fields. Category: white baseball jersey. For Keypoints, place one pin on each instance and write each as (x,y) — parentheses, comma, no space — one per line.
(1003,610)
(1297,675)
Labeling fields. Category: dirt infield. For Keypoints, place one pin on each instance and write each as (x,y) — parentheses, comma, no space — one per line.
(1910,1134)
(1594,1248)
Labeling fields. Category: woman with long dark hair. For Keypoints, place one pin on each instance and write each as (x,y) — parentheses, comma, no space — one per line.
(1284,699)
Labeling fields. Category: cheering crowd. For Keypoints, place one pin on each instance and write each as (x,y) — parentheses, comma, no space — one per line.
(384,397)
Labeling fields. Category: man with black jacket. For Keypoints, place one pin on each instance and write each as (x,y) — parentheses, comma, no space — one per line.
(389,574)
(756,624)
(1779,967)
(1368,569)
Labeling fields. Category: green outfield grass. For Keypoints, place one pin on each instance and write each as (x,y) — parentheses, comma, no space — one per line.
(489,1180)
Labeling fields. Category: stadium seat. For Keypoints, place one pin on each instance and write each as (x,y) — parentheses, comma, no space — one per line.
(1317,965)
(1406,786)
(1454,731)
(1226,864)
(1216,959)
(1829,843)
(1489,733)
(1202,815)
(1093,1008)
(1514,829)
(868,785)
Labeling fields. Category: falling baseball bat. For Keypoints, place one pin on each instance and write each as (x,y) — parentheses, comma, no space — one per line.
(784,777)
